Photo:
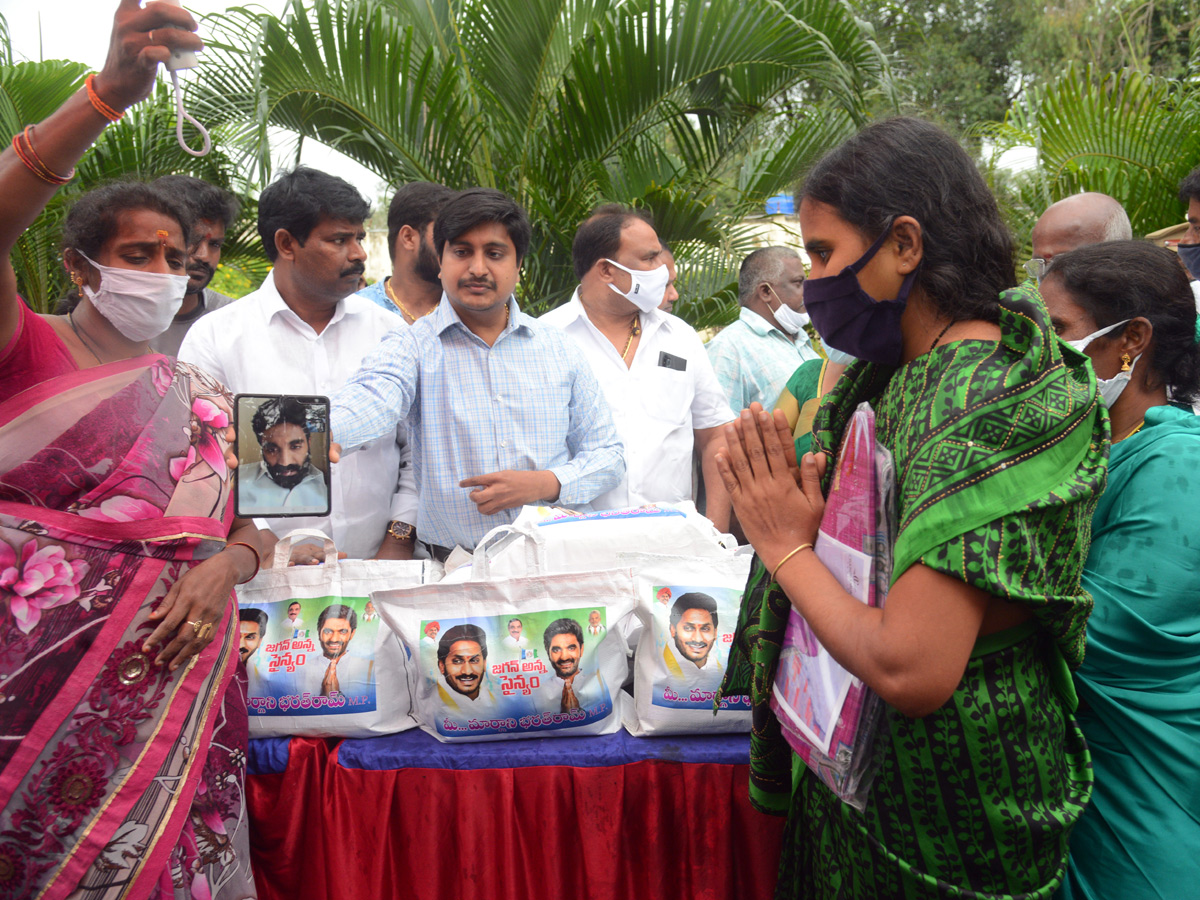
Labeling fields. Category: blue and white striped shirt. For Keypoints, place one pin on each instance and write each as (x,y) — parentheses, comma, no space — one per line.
(530,402)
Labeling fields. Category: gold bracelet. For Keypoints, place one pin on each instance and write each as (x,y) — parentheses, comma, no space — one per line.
(257,557)
(789,556)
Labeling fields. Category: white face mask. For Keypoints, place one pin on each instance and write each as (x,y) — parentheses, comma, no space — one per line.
(1110,388)
(787,318)
(138,304)
(1082,343)
(648,287)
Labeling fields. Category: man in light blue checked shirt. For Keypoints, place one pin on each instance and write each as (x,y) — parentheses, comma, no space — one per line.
(502,411)
(755,356)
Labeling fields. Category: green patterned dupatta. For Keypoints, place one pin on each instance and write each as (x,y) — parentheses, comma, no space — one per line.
(1000,452)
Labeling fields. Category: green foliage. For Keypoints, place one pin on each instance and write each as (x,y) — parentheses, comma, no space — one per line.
(1151,36)
(1127,134)
(962,62)
(957,61)
(562,103)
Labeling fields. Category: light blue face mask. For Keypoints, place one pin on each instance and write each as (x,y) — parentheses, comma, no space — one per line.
(839,357)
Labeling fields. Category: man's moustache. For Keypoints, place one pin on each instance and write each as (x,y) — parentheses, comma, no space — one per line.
(287,476)
(356,269)
(489,284)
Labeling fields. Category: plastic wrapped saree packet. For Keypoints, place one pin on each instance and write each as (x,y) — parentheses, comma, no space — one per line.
(829,717)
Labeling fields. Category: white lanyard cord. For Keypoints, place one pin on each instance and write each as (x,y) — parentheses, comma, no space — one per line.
(180,115)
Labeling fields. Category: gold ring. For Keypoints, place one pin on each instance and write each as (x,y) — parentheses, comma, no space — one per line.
(203,629)
(151,35)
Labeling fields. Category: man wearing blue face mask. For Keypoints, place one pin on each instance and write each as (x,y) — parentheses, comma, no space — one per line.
(756,355)
(664,395)
(1189,244)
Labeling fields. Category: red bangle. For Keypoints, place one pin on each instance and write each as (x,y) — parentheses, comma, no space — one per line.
(257,557)
(33,162)
(99,105)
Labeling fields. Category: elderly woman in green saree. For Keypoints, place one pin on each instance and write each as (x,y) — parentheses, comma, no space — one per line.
(999,442)
(1129,307)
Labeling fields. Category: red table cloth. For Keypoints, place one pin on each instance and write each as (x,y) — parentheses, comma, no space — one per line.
(604,817)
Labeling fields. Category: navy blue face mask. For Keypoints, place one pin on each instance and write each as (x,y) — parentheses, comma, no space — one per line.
(849,319)
(1190,254)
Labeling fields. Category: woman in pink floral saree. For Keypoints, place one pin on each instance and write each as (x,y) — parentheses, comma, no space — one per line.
(122,716)
(111,778)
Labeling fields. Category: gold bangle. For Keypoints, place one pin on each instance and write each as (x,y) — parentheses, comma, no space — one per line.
(775,571)
(257,557)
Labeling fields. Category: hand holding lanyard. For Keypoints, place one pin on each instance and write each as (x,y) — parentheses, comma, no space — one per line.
(184,59)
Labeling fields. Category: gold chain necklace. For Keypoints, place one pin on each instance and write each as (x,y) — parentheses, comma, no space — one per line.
(387,288)
(634,330)
(1135,430)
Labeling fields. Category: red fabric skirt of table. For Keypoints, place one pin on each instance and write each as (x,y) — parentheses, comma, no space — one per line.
(647,829)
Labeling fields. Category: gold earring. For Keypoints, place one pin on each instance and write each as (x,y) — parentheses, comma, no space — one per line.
(1125,367)
(77,279)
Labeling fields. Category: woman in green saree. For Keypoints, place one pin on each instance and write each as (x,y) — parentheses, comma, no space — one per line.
(1129,304)
(999,443)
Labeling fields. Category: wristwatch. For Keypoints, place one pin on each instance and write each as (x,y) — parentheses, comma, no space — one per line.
(402,531)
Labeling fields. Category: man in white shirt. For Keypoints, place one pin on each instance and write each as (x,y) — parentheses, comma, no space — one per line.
(755,356)
(285,478)
(253,625)
(568,687)
(302,334)
(595,627)
(693,622)
(293,625)
(515,640)
(652,366)
(336,671)
(462,664)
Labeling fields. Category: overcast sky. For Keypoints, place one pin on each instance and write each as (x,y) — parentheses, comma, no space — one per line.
(79,30)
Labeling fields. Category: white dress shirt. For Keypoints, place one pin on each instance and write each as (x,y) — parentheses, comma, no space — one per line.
(655,408)
(260,346)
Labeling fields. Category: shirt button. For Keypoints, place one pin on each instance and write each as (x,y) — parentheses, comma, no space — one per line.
(497,398)
(504,444)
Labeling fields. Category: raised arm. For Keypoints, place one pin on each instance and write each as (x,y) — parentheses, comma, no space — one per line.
(53,146)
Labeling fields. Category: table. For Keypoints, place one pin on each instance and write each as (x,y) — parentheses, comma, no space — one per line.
(613,816)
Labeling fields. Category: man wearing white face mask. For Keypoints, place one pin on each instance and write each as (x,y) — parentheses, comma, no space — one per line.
(664,395)
(756,355)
